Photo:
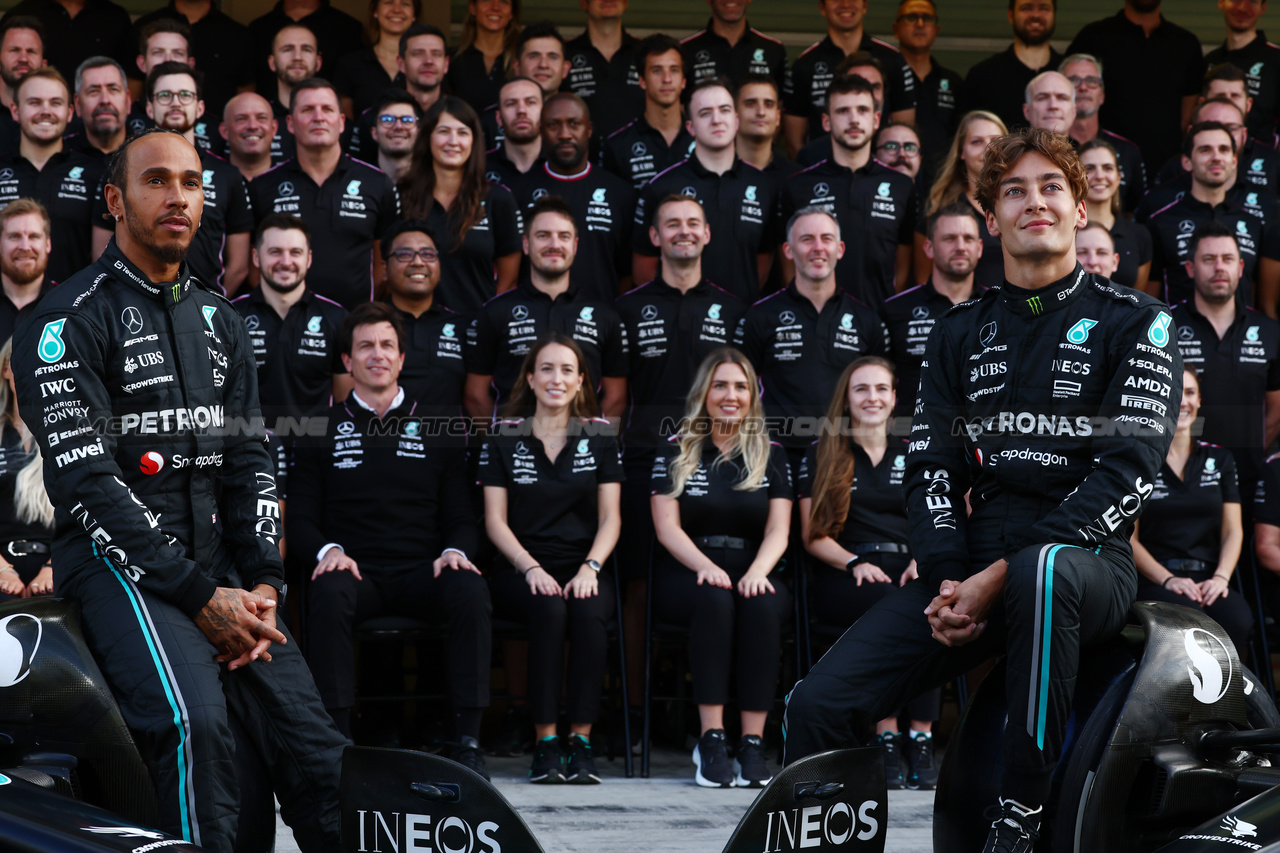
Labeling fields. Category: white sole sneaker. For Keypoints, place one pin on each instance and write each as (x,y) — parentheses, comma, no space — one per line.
(703,781)
(740,782)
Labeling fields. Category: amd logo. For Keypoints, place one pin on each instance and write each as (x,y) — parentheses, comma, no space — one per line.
(422,833)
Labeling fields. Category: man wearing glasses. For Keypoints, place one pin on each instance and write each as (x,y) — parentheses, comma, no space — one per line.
(937,88)
(219,253)
(898,147)
(394,132)
(1085,73)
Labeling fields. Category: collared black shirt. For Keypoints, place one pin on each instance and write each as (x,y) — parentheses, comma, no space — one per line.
(909,316)
(600,202)
(710,55)
(1133,172)
(741,207)
(9,312)
(1133,245)
(297,355)
(66,186)
(669,333)
(205,130)
(552,507)
(1146,80)
(10,135)
(337,34)
(506,327)
(1258,166)
(101,28)
(1183,517)
(218,44)
(434,372)
(1266,501)
(799,353)
(284,145)
(638,152)
(1260,61)
(998,84)
(467,272)
(937,114)
(361,77)
(498,169)
(876,209)
(877,504)
(805,90)
(1236,372)
(709,503)
(1171,228)
(611,87)
(353,208)
(469,79)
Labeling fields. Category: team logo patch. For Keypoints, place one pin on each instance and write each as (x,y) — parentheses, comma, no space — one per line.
(132,319)
(206,177)
(689,191)
(751,193)
(598,195)
(6,174)
(353,188)
(988,334)
(285,188)
(413,429)
(449,330)
(713,313)
(1251,335)
(1241,227)
(758,56)
(1210,465)
(540,193)
(583,446)
(519,312)
(1257,165)
(346,428)
(586,314)
(649,312)
(1186,333)
(821,189)
(1079,333)
(252,322)
(638,149)
(313,325)
(209,311)
(883,189)
(1255,69)
(846,322)
(51,348)
(1158,334)
(76,173)
(786,318)
(1186,226)
(920,312)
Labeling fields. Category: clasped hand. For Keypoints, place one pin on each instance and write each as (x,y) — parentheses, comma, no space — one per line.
(958,614)
(241,624)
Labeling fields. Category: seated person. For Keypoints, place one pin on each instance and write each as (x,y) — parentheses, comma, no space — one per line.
(374,500)
(722,510)
(26,516)
(555,521)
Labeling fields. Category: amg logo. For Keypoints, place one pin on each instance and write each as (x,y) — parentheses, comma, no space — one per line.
(414,833)
(819,826)
(58,387)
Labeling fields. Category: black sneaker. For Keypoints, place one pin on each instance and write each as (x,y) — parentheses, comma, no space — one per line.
(892,754)
(548,762)
(1014,828)
(467,753)
(750,763)
(515,736)
(924,773)
(580,768)
(711,757)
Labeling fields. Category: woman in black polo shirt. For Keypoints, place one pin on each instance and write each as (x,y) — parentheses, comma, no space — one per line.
(362,76)
(26,516)
(551,475)
(476,223)
(854,521)
(486,51)
(1188,540)
(1133,242)
(722,510)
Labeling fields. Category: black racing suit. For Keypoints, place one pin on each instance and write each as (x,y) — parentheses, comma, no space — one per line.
(144,401)
(1053,409)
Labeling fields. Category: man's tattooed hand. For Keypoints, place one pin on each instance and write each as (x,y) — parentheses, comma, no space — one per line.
(233,621)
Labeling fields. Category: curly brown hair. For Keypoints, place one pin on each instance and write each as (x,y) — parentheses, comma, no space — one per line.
(1006,151)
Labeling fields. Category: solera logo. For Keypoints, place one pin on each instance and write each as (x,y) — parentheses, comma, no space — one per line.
(816,826)
(1209,681)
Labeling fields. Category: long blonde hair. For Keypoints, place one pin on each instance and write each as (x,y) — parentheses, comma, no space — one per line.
(30,499)
(952,181)
(750,443)
(509,37)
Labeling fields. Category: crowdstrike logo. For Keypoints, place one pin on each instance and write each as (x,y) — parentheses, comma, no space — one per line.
(1239,828)
(19,640)
(1210,668)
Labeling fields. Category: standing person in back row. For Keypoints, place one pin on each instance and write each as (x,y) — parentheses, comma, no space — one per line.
(998,83)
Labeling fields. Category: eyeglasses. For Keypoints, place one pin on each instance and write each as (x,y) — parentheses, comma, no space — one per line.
(917,18)
(406,256)
(186,97)
(390,120)
(905,147)
(1087,82)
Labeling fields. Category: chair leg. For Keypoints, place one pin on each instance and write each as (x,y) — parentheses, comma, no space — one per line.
(648,662)
(627,763)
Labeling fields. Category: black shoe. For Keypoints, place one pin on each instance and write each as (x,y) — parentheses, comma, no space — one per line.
(1014,828)
(515,737)
(924,773)
(580,766)
(711,757)
(750,762)
(892,754)
(548,762)
(467,753)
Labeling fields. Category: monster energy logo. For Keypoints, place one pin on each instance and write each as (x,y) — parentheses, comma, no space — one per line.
(177,291)
(1036,307)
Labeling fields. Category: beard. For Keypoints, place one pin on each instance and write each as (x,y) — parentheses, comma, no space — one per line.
(1043,37)
(524,139)
(563,162)
(22,275)
(165,253)
(957,269)
(281,288)
(850,146)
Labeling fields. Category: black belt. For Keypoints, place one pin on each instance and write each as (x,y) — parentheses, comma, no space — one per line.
(25,547)
(1195,567)
(861,548)
(732,543)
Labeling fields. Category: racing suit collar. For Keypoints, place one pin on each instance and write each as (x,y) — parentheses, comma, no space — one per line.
(1034,303)
(169,292)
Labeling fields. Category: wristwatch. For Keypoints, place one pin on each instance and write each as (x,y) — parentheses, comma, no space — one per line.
(594,565)
(848,567)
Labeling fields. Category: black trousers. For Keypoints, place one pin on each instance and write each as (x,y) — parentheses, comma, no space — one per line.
(551,620)
(1232,612)
(836,598)
(1057,600)
(457,599)
(636,538)
(180,703)
(726,630)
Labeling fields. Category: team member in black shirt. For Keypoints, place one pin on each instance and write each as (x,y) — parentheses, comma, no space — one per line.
(99,28)
(657,138)
(1131,243)
(1246,47)
(1235,349)
(551,474)
(45,169)
(759,118)
(249,128)
(168,40)
(1096,251)
(502,332)
(540,56)
(731,49)
(805,90)
(26,516)
(600,200)
(363,75)
(1188,541)
(519,115)
(395,132)
(477,224)
(485,52)
(295,56)
(423,61)
(859,63)
(24,258)
(937,87)
(1091,93)
(337,33)
(853,516)
(347,211)
(722,510)
(954,246)
(21,52)
(998,84)
(875,205)
(801,338)
(385,508)
(433,373)
(102,104)
(1258,166)
(740,201)
(605,66)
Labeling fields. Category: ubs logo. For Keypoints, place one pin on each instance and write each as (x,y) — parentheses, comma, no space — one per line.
(19,640)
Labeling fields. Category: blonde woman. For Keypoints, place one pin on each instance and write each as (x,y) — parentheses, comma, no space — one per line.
(722,510)
(957,179)
(485,52)
(1132,242)
(363,76)
(26,516)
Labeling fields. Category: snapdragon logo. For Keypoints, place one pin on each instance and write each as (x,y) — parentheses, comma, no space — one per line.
(1210,668)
